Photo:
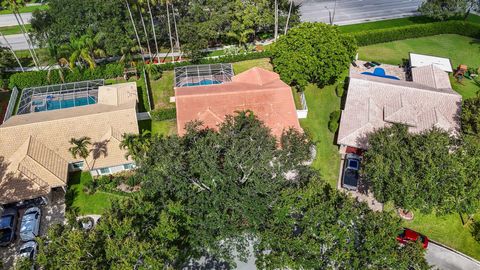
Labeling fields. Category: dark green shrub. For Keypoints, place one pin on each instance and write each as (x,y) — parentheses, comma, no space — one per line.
(90,187)
(164,114)
(339,90)
(334,119)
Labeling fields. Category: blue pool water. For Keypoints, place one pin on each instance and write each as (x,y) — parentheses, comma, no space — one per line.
(67,103)
(203,82)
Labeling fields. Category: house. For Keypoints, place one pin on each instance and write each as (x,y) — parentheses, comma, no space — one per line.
(426,100)
(34,144)
(209,98)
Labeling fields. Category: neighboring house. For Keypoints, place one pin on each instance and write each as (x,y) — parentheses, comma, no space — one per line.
(34,155)
(426,100)
(256,89)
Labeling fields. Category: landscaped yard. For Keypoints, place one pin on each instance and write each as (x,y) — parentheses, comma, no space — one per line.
(86,204)
(25,9)
(460,49)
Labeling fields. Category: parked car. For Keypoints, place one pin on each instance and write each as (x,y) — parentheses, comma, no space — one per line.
(351,172)
(30,226)
(28,250)
(36,202)
(409,235)
(8,225)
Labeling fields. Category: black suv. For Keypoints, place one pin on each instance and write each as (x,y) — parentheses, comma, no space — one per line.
(8,225)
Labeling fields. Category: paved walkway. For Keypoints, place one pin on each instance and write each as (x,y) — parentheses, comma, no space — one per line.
(446,259)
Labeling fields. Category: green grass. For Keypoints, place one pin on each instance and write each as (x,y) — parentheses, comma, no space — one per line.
(467,88)
(395,23)
(321,102)
(216,53)
(167,127)
(162,90)
(11,30)
(85,203)
(242,66)
(25,9)
(448,230)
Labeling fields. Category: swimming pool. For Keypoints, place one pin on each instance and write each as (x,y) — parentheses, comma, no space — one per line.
(203,82)
(63,104)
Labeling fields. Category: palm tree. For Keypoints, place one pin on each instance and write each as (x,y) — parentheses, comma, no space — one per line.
(241,36)
(58,67)
(276,20)
(153,26)
(12,51)
(140,11)
(135,144)
(80,148)
(288,17)
(85,48)
(14,5)
(134,28)
(177,41)
(167,2)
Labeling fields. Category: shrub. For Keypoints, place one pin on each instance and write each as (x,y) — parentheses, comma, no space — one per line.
(340,89)
(370,37)
(312,53)
(334,119)
(164,114)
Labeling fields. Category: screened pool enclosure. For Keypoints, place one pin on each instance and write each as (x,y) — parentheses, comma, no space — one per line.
(59,96)
(197,75)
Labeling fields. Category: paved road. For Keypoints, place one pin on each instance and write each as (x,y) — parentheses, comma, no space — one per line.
(17,41)
(356,11)
(9,19)
(446,259)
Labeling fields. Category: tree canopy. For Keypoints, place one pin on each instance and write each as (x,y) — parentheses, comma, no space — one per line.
(471,116)
(313,53)
(445,9)
(426,171)
(210,193)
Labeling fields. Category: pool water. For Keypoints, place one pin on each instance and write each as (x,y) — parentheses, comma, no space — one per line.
(67,103)
(203,82)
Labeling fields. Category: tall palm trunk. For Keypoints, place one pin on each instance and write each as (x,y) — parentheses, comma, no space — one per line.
(135,29)
(12,51)
(288,17)
(146,34)
(153,29)
(29,39)
(276,20)
(26,39)
(170,31)
(177,43)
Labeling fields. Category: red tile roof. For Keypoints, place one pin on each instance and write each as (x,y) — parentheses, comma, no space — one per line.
(256,89)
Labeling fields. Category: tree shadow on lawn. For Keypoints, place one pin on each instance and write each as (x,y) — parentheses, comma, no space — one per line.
(72,192)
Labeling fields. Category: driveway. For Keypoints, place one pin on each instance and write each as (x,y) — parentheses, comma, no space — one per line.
(446,259)
(356,11)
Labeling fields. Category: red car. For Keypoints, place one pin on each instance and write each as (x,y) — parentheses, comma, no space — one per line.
(412,236)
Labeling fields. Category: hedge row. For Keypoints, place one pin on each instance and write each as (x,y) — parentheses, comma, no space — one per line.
(40,78)
(370,37)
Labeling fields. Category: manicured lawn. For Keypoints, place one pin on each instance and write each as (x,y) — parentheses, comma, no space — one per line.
(167,127)
(447,230)
(321,102)
(162,90)
(242,66)
(468,88)
(11,30)
(85,203)
(460,49)
(395,23)
(25,9)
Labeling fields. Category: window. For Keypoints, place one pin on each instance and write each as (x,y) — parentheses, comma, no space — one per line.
(104,170)
(78,165)
(128,166)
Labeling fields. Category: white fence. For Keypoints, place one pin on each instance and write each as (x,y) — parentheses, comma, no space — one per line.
(302,114)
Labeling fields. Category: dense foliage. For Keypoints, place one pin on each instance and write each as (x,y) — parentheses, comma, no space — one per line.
(321,228)
(44,77)
(164,114)
(197,23)
(445,9)
(471,116)
(312,53)
(370,37)
(211,193)
(426,171)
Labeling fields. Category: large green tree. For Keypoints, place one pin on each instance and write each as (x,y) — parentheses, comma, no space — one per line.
(312,53)
(471,116)
(445,9)
(317,227)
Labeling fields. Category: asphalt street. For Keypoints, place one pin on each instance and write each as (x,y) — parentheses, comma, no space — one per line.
(9,19)
(356,11)
(17,41)
(446,259)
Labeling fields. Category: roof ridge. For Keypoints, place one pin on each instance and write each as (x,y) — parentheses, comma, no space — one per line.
(50,152)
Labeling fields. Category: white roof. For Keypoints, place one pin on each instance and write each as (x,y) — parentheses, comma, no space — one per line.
(421,60)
